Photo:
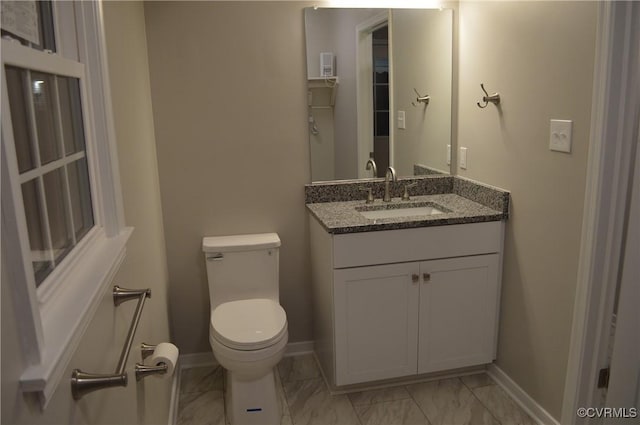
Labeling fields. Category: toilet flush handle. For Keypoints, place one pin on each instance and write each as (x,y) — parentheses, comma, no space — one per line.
(215,257)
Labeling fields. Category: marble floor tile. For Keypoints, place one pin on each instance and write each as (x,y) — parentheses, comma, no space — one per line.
(205,408)
(295,368)
(201,379)
(311,404)
(502,406)
(398,412)
(377,396)
(450,402)
(284,407)
(477,380)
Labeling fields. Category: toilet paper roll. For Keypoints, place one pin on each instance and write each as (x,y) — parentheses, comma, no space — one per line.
(166,353)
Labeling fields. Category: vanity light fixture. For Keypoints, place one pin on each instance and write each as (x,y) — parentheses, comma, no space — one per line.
(402,4)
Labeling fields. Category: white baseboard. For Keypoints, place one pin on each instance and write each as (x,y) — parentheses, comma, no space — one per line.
(187,361)
(298,348)
(524,400)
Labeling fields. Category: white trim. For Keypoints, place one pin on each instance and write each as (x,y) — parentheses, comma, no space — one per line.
(26,57)
(93,53)
(363,89)
(614,115)
(524,400)
(298,348)
(67,322)
(175,396)
(188,361)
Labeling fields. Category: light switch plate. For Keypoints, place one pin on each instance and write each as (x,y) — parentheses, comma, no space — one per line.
(463,158)
(448,154)
(560,135)
(401,120)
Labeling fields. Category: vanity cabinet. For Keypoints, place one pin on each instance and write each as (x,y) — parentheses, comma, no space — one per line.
(398,303)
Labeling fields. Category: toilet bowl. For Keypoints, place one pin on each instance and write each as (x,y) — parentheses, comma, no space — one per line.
(248,327)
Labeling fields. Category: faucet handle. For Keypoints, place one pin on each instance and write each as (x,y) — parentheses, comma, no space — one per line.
(370,197)
(405,196)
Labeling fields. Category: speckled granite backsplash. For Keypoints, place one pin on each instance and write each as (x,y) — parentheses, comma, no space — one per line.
(342,191)
(489,196)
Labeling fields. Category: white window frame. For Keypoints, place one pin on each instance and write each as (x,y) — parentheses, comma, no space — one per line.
(53,318)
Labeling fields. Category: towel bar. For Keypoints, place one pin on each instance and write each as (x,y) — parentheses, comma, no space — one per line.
(82,382)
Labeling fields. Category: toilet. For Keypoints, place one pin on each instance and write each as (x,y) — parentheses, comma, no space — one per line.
(247,327)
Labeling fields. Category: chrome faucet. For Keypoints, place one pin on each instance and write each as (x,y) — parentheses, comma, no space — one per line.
(371,165)
(392,172)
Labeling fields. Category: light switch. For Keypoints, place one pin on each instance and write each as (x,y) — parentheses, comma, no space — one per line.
(448,154)
(463,158)
(560,135)
(401,121)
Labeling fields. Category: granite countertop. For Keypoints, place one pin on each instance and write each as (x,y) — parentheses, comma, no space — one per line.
(342,217)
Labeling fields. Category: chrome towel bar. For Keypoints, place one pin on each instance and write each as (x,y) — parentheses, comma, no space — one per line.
(82,382)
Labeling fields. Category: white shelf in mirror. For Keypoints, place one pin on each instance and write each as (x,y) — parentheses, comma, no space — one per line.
(322,91)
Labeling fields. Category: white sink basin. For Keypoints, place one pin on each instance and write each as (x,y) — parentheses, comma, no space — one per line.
(394,211)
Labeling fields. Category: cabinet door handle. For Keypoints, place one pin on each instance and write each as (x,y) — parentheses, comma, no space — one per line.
(415,277)
(426,277)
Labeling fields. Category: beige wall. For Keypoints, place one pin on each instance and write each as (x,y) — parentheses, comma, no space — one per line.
(540,57)
(422,60)
(228,84)
(145,264)
(229,94)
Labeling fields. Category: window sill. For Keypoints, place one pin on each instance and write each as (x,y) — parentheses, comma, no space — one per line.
(65,322)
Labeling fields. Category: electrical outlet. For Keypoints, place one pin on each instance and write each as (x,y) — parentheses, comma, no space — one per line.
(448,154)
(463,158)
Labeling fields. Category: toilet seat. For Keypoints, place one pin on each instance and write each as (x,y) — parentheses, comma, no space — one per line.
(247,325)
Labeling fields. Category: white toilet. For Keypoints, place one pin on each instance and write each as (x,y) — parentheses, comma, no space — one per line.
(248,327)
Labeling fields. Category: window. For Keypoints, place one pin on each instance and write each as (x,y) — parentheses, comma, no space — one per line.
(49,140)
(63,234)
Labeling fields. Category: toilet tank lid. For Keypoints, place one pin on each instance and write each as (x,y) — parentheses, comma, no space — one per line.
(235,243)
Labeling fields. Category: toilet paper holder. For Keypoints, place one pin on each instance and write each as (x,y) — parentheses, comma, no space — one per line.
(142,371)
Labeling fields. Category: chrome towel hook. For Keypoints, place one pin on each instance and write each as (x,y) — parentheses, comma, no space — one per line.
(421,99)
(494,98)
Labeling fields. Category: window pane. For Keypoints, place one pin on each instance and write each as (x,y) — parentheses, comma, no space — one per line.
(37,237)
(54,190)
(80,197)
(19,116)
(71,114)
(30,22)
(43,104)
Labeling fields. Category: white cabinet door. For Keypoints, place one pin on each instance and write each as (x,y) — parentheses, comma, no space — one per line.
(376,322)
(458,312)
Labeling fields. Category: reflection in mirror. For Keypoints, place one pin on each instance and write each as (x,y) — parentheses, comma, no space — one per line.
(379,87)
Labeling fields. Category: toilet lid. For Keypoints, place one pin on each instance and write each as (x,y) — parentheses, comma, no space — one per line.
(248,324)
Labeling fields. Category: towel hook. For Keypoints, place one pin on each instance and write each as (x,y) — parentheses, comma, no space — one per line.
(494,98)
(421,99)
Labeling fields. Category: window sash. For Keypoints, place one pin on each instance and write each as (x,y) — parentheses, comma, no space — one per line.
(19,56)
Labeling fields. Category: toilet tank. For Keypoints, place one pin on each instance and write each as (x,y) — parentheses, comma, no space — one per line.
(242,267)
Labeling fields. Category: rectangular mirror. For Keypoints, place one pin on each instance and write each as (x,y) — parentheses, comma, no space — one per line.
(379,87)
